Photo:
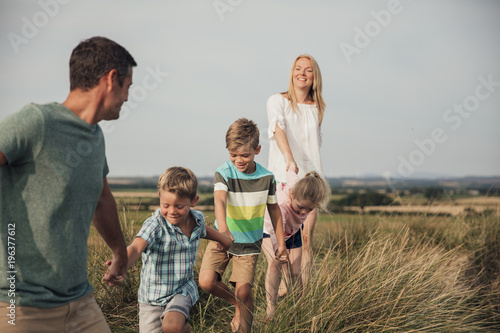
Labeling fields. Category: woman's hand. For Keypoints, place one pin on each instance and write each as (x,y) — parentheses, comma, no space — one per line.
(292,165)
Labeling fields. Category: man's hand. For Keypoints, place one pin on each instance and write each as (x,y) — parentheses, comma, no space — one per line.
(116,273)
(3,159)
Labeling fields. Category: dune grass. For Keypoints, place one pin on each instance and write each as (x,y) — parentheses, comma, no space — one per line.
(371,273)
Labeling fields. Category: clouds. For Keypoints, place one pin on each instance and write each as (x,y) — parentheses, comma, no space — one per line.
(393,92)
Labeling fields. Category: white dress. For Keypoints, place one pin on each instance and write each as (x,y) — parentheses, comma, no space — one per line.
(303,134)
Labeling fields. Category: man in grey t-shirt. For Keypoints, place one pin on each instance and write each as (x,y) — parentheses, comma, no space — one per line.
(52,184)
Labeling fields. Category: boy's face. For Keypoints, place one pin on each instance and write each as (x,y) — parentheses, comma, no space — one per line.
(174,208)
(243,158)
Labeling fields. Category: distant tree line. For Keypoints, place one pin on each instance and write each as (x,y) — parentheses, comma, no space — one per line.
(361,200)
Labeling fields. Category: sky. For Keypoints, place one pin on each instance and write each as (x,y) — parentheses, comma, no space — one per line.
(412,87)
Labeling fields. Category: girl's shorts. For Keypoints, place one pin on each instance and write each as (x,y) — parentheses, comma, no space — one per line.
(293,242)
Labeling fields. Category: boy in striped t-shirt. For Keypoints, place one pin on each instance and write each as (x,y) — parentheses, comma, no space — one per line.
(242,191)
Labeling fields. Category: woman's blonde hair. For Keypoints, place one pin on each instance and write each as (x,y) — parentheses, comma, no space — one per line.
(312,188)
(315,93)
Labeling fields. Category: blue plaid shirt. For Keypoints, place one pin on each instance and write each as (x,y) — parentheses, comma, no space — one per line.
(168,260)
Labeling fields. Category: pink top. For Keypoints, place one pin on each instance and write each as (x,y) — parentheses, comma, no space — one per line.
(291,220)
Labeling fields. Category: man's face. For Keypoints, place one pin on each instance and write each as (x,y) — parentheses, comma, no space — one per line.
(117,96)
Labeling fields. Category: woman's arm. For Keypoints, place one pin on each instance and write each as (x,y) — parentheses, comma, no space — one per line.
(284,148)
(275,116)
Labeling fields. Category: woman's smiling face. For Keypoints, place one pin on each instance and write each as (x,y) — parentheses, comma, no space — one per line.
(303,73)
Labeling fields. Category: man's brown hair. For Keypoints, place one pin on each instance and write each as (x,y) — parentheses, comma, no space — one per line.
(93,58)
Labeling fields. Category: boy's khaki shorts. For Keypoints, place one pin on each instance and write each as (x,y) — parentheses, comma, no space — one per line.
(243,266)
(151,316)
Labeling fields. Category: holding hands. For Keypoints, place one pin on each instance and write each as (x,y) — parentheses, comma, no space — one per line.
(282,255)
(291,165)
(116,272)
(224,239)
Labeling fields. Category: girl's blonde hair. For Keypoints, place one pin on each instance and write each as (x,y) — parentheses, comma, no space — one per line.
(312,188)
(315,93)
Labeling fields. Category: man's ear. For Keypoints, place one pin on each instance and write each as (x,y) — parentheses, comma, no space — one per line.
(257,150)
(109,79)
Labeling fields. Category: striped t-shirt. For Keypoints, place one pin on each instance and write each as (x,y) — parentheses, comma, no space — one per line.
(247,199)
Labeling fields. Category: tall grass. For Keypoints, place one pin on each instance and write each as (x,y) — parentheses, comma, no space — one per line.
(119,304)
(370,274)
(386,286)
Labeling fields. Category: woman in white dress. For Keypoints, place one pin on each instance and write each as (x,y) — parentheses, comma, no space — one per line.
(294,133)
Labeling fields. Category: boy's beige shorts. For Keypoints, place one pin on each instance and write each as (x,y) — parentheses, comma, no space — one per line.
(243,266)
(81,316)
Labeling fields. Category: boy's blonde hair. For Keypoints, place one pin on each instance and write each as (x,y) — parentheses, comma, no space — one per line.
(243,133)
(315,93)
(312,188)
(179,180)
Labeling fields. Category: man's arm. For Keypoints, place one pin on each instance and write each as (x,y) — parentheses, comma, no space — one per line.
(276,219)
(134,252)
(107,223)
(3,159)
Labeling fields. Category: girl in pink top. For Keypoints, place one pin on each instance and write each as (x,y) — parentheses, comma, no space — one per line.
(297,198)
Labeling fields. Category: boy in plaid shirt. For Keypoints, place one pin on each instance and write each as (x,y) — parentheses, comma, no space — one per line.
(168,243)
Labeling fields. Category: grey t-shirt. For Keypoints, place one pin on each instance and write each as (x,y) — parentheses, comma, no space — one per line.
(48,194)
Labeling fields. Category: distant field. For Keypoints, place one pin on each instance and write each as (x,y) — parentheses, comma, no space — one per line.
(148,200)
(484,201)
(135,194)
